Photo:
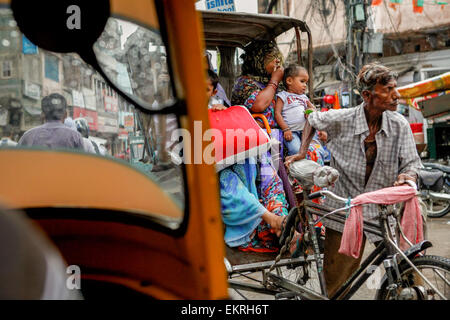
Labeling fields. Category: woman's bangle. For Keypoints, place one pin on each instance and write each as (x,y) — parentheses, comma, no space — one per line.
(287,129)
(308,111)
(273,85)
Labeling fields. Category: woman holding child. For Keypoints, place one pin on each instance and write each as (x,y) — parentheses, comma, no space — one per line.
(252,195)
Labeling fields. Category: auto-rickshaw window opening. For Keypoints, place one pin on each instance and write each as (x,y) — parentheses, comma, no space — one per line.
(115,128)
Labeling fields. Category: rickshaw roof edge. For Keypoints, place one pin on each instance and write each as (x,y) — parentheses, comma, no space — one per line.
(237,29)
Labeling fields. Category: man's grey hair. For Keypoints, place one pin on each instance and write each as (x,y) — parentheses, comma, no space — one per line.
(54,107)
(372,74)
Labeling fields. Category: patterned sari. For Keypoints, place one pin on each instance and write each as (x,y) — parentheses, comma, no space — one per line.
(267,184)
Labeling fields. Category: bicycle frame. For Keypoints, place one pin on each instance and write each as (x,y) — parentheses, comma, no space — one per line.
(386,252)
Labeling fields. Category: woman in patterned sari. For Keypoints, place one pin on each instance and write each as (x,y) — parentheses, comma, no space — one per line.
(252,194)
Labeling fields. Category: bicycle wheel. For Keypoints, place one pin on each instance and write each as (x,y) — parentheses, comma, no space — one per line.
(306,276)
(435,269)
(436,208)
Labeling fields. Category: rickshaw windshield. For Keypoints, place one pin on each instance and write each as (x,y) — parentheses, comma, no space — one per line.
(97,120)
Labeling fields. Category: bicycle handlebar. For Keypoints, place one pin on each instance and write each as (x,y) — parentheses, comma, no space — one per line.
(314,195)
(326,193)
(320,193)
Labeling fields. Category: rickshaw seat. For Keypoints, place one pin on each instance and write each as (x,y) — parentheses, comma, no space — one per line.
(265,122)
(290,196)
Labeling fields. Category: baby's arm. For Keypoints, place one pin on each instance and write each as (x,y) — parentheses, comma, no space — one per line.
(279,119)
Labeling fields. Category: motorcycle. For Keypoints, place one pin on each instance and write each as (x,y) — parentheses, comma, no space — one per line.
(434,182)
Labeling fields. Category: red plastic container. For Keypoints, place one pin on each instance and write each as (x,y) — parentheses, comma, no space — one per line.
(416,127)
(417,130)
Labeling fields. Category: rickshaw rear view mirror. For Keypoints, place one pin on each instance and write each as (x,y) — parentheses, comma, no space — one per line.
(134,59)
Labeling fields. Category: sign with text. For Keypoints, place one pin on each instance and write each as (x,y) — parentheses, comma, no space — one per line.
(220,5)
(111,102)
(78,99)
(127,120)
(89,99)
(32,90)
(108,125)
(89,115)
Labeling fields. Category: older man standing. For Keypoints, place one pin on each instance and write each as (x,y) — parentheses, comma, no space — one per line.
(53,133)
(372,147)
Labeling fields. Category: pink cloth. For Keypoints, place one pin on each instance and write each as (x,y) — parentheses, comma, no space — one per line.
(411,222)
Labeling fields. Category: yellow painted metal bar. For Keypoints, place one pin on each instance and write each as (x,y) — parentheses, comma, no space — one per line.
(141,11)
(205,229)
(37,178)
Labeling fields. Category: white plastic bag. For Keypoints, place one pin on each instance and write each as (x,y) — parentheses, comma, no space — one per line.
(310,173)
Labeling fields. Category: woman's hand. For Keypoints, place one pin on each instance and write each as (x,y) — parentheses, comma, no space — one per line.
(278,72)
(218,107)
(274,221)
(288,135)
(266,96)
(291,159)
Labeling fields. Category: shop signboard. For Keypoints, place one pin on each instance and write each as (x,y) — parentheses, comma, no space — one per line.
(220,5)
(32,90)
(107,124)
(123,134)
(89,99)
(127,120)
(78,99)
(89,115)
(111,103)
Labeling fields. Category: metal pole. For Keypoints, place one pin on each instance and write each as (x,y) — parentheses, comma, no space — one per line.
(272,4)
(349,10)
(299,46)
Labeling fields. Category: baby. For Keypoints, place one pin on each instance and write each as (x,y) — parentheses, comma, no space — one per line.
(291,106)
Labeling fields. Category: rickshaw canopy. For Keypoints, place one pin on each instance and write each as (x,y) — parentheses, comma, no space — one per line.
(237,29)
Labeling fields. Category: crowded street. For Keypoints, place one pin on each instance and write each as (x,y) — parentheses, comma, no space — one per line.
(208,152)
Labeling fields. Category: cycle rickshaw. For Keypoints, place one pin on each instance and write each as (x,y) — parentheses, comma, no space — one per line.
(280,275)
(133,234)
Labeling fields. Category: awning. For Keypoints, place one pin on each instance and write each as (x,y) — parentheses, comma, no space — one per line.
(435,104)
(430,96)
(425,87)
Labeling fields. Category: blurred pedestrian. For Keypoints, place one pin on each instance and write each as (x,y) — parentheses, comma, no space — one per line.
(53,133)
(7,137)
(83,128)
